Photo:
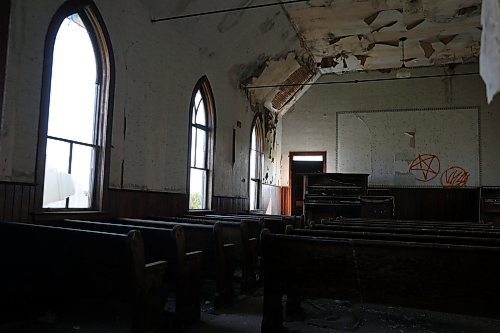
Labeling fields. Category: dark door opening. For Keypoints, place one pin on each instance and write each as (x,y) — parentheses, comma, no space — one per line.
(300,164)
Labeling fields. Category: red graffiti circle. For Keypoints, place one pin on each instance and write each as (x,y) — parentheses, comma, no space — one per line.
(455,177)
(425,167)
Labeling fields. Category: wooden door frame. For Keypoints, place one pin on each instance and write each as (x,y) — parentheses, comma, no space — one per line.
(290,160)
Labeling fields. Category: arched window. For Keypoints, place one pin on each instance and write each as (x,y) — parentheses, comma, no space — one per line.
(201,141)
(256,164)
(75,100)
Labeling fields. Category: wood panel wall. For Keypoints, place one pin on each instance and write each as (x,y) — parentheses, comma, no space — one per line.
(286,205)
(137,204)
(17,201)
(223,204)
(436,204)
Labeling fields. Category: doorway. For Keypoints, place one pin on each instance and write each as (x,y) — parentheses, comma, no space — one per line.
(302,163)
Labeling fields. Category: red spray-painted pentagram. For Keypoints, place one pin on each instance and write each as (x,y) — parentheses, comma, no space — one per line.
(425,167)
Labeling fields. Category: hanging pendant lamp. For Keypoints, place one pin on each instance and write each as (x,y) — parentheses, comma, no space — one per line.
(403,72)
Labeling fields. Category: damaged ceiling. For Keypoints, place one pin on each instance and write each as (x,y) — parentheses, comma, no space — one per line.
(341,36)
(353,35)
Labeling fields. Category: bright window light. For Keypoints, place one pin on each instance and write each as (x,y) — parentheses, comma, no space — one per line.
(256,165)
(71,136)
(308,158)
(200,139)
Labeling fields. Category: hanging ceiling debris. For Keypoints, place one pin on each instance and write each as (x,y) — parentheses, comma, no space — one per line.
(353,35)
(288,70)
(342,36)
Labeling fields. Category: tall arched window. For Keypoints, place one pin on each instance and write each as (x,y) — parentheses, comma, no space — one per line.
(256,164)
(75,102)
(201,141)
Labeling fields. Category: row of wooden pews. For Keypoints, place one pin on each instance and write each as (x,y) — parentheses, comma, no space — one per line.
(217,241)
(256,223)
(447,267)
(183,276)
(241,236)
(182,255)
(48,269)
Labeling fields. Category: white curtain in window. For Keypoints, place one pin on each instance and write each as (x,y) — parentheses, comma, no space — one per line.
(490,47)
(58,186)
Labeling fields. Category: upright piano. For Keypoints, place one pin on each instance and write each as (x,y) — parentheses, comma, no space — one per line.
(335,195)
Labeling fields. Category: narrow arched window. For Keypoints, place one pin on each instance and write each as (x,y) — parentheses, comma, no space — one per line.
(74,110)
(201,140)
(256,164)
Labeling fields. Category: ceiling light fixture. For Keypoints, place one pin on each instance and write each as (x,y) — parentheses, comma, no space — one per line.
(345,68)
(403,72)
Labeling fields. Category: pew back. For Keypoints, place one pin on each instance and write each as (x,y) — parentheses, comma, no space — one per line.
(218,253)
(51,267)
(449,278)
(408,238)
(239,233)
(424,230)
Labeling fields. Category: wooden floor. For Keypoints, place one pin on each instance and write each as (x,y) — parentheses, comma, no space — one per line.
(315,316)
(320,316)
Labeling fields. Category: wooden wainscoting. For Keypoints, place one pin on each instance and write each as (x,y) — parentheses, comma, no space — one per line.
(17,201)
(286,205)
(139,204)
(224,204)
(436,204)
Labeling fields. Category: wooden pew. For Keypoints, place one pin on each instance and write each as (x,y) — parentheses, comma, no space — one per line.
(297,221)
(49,268)
(276,224)
(161,244)
(254,224)
(239,233)
(487,233)
(388,236)
(411,223)
(250,252)
(449,278)
(218,253)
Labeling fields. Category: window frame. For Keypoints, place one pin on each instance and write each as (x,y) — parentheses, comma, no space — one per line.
(258,125)
(105,80)
(204,87)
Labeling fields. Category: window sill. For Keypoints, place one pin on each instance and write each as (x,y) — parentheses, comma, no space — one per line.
(257,211)
(61,215)
(200,211)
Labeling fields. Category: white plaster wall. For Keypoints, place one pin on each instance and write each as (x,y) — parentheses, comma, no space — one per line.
(310,125)
(157,66)
(271,199)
